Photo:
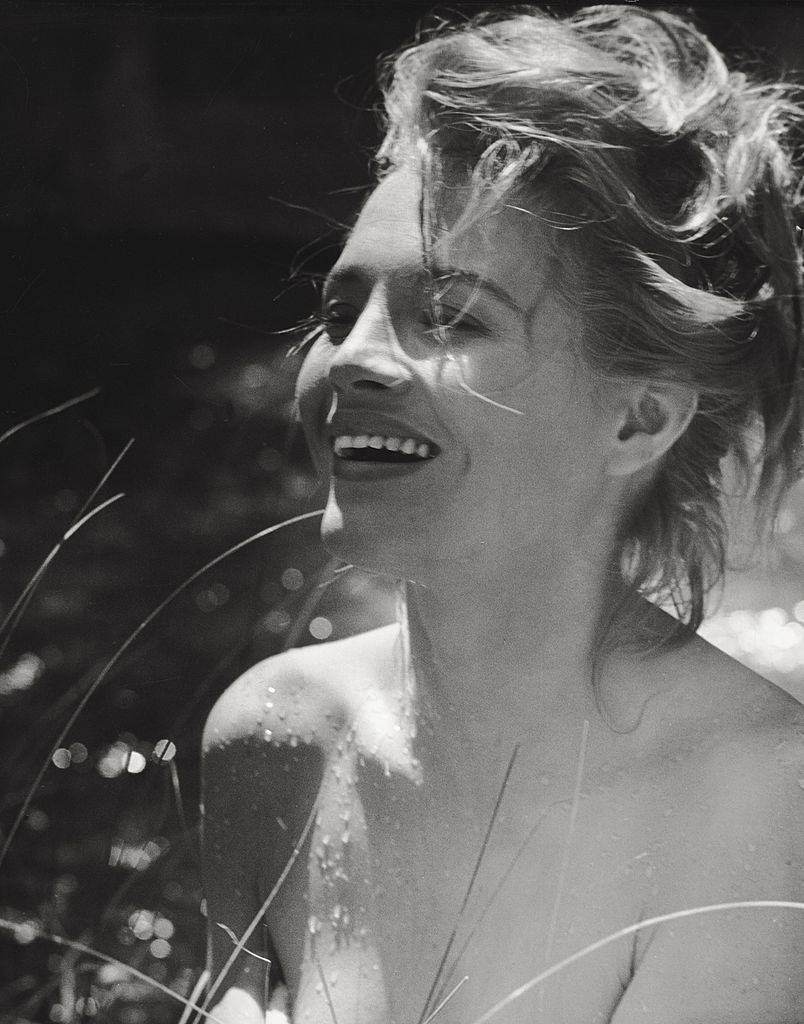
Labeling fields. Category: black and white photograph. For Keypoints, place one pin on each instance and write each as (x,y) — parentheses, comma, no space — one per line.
(401,512)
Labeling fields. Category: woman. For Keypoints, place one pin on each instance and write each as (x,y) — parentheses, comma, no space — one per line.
(571,302)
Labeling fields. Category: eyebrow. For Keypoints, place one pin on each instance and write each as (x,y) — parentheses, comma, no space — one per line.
(437,272)
(442,272)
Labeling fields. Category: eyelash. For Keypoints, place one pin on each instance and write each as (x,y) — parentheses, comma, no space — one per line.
(338,327)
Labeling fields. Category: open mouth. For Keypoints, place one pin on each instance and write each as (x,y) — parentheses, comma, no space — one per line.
(379,448)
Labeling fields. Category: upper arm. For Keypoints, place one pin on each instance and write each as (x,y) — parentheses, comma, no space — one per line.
(743,842)
(254,794)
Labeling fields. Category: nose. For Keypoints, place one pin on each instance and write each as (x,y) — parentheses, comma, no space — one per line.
(370,357)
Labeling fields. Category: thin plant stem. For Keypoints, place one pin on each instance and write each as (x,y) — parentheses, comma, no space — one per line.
(17,610)
(501,882)
(107,668)
(445,1000)
(257,956)
(48,412)
(326,577)
(467,894)
(80,947)
(195,996)
(326,992)
(490,401)
(80,518)
(177,797)
(565,856)
(241,942)
(622,933)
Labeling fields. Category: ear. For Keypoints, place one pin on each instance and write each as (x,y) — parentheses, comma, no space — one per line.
(650,419)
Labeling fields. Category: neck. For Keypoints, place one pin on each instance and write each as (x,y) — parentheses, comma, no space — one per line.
(514,650)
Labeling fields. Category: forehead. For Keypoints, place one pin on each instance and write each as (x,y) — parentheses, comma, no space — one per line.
(510,246)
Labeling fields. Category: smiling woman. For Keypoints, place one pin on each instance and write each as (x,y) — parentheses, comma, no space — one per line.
(574,293)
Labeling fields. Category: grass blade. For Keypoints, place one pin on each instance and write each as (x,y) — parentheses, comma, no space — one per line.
(80,947)
(107,668)
(445,1000)
(48,412)
(630,929)
(467,894)
(241,943)
(562,874)
(326,992)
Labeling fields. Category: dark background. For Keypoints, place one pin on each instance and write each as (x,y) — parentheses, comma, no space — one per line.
(173,177)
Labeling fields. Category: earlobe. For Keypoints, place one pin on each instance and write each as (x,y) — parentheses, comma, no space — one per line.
(649,423)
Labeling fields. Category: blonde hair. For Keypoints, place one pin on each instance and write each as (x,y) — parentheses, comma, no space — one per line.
(672,182)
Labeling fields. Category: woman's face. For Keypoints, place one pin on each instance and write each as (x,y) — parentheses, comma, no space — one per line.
(444,402)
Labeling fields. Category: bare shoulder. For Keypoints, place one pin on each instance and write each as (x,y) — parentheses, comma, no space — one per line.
(726,756)
(723,827)
(305,695)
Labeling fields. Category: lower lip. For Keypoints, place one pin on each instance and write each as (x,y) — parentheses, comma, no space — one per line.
(366,471)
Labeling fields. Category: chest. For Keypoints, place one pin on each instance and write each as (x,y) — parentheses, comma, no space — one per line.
(410,889)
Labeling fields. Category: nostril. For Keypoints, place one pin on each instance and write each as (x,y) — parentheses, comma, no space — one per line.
(370,385)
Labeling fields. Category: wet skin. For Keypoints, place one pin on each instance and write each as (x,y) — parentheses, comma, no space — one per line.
(688,788)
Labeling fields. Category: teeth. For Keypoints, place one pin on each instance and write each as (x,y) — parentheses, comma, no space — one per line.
(408,445)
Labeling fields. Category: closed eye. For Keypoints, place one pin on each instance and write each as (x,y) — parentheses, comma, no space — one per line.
(448,318)
(336,320)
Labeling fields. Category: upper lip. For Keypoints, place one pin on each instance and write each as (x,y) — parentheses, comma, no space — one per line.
(362,421)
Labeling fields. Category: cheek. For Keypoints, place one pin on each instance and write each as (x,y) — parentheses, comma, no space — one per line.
(314,395)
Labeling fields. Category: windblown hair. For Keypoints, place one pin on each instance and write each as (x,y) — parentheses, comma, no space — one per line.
(669,183)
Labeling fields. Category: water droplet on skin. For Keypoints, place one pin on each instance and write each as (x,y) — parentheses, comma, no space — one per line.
(294,740)
(272,689)
(268,734)
(268,705)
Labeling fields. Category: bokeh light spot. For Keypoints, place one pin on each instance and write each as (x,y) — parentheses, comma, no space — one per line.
(62,757)
(163,928)
(78,753)
(23,674)
(292,579)
(25,932)
(136,763)
(114,761)
(37,820)
(213,597)
(160,948)
(276,621)
(320,628)
(164,750)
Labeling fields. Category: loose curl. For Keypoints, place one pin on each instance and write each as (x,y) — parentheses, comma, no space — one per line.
(671,181)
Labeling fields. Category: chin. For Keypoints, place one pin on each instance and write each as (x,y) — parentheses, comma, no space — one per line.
(363,539)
